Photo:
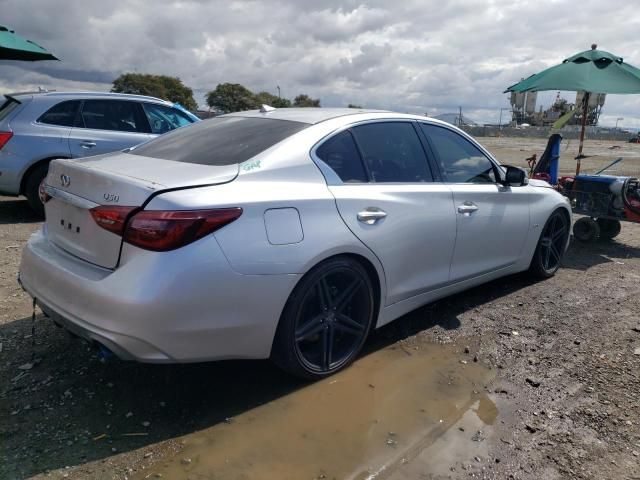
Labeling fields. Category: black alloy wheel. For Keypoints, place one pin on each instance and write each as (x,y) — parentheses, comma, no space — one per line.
(326,320)
(551,246)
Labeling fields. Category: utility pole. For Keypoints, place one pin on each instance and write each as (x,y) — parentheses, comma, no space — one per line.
(278,87)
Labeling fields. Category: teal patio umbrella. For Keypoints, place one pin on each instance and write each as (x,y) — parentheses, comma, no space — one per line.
(14,47)
(591,71)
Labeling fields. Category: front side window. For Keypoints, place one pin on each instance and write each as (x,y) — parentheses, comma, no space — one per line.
(392,152)
(120,115)
(341,154)
(220,140)
(460,161)
(63,114)
(163,119)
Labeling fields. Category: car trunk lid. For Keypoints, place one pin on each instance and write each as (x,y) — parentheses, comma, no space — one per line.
(77,186)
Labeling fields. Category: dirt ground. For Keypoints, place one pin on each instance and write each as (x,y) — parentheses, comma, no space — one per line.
(517,379)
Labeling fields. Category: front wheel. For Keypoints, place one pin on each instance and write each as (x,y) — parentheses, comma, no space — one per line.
(609,228)
(551,246)
(326,320)
(586,230)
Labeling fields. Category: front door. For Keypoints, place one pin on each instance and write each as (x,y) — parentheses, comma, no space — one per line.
(492,220)
(388,199)
(108,126)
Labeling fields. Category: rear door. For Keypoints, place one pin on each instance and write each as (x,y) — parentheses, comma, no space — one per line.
(107,126)
(386,194)
(55,126)
(492,220)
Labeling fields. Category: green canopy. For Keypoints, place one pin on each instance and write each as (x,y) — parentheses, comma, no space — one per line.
(591,71)
(594,71)
(14,47)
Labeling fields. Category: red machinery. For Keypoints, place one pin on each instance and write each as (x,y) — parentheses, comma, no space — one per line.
(605,200)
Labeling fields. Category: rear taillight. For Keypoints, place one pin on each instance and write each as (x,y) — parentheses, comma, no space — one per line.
(112,218)
(163,230)
(4,138)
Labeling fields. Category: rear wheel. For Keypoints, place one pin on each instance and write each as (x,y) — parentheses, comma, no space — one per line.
(326,320)
(551,246)
(32,188)
(609,228)
(586,229)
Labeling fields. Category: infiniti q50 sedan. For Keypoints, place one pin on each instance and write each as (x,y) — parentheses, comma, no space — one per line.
(287,234)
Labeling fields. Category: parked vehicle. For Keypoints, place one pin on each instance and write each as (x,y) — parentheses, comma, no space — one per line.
(36,127)
(287,234)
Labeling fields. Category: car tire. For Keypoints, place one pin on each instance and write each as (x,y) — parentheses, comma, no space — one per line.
(586,229)
(32,187)
(326,320)
(551,245)
(609,228)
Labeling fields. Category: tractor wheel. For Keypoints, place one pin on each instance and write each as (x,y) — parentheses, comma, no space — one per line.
(586,229)
(609,228)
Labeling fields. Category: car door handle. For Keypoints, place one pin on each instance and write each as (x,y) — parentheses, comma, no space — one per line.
(87,144)
(371,215)
(467,208)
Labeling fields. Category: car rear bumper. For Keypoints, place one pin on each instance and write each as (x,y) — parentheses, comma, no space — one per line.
(159,307)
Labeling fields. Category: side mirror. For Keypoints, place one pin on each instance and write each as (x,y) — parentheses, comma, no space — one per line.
(515,177)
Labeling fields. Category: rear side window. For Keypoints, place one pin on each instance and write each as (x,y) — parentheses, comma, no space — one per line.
(119,115)
(163,119)
(63,114)
(220,141)
(341,154)
(392,152)
(460,160)
(7,107)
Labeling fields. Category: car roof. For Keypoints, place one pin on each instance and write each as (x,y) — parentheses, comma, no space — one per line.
(74,95)
(314,115)
(311,115)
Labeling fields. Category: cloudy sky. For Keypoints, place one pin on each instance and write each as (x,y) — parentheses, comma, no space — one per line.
(407,55)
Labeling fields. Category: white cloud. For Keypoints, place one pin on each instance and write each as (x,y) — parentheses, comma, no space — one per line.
(411,55)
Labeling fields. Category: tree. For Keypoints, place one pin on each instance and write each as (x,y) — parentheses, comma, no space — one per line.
(266,98)
(304,100)
(351,105)
(231,97)
(161,86)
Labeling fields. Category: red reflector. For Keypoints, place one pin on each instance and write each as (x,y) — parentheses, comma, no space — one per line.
(112,218)
(161,230)
(4,138)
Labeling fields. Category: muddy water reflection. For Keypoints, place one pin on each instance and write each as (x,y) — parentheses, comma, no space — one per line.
(363,423)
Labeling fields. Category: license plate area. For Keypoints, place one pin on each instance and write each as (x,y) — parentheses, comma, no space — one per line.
(73,229)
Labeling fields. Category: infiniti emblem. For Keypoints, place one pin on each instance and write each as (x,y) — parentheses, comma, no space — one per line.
(65,180)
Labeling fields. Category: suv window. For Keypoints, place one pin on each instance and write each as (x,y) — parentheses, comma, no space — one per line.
(120,115)
(162,118)
(392,152)
(460,161)
(63,114)
(220,141)
(341,154)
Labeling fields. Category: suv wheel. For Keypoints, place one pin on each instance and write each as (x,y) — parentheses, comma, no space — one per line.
(32,188)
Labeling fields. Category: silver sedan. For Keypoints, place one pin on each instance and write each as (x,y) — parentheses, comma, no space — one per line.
(286,234)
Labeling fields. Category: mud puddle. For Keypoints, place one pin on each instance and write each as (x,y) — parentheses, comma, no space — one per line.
(375,420)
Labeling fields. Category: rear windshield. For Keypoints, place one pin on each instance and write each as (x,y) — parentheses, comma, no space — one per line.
(7,107)
(219,141)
